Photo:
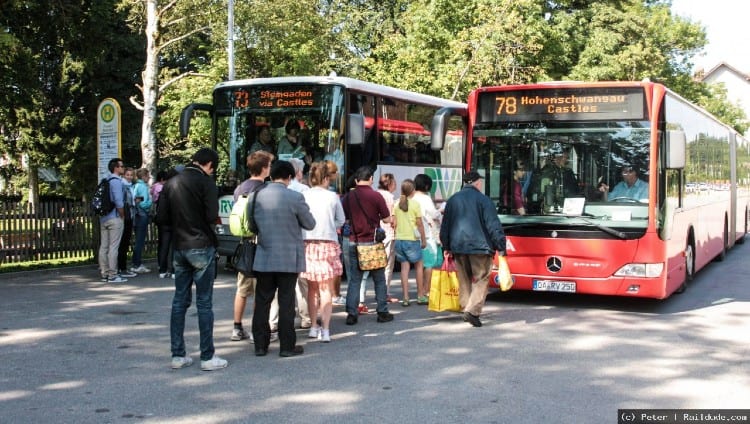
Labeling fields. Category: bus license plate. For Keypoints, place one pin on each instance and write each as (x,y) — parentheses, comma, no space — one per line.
(555,286)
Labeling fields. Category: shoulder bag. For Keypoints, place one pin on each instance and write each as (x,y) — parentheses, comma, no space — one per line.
(369,255)
(244,254)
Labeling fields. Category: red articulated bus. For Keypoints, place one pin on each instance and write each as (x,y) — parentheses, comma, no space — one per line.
(612,188)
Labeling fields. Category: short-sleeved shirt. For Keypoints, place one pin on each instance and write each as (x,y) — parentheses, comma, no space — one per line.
(638,191)
(372,206)
(406,221)
(247,186)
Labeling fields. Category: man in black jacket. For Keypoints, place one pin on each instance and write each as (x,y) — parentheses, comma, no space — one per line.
(191,206)
(472,233)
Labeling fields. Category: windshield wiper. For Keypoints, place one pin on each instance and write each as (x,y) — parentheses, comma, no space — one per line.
(608,230)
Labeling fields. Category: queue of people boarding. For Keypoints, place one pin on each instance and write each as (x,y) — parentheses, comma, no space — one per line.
(307,241)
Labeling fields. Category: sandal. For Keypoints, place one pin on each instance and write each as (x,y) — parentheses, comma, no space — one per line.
(405,302)
(422,300)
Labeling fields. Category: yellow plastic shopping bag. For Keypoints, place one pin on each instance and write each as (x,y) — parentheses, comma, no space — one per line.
(444,288)
(504,279)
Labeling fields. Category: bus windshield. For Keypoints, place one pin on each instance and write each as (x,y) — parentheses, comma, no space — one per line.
(268,117)
(566,172)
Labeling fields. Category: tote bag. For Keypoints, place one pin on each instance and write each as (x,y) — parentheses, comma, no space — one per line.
(504,278)
(444,288)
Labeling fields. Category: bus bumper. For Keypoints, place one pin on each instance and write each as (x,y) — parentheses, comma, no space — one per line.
(612,286)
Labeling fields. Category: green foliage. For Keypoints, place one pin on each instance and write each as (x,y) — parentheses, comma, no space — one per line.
(60,59)
(63,64)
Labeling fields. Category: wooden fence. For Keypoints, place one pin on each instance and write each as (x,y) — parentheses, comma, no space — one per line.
(59,229)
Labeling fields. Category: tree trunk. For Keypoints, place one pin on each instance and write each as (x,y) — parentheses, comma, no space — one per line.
(33,187)
(150,88)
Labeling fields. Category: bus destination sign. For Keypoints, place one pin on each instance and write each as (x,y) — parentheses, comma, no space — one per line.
(271,98)
(563,104)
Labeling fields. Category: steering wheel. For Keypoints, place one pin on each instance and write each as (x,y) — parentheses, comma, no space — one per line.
(624,199)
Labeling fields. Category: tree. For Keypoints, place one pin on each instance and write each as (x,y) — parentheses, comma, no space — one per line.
(165,29)
(448,48)
(57,77)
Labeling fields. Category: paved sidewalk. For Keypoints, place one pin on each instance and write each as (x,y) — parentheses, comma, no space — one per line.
(76,350)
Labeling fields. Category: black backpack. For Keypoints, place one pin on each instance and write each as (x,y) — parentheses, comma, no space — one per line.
(101,201)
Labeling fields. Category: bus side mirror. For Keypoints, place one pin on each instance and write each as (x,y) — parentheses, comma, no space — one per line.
(187,114)
(676,145)
(440,125)
(355,129)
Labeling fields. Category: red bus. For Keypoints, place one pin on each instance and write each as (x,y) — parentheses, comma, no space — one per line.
(683,176)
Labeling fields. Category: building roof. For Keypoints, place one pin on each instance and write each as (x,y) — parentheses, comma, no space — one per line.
(728,67)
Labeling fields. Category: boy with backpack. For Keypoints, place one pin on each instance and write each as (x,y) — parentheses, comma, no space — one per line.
(259,165)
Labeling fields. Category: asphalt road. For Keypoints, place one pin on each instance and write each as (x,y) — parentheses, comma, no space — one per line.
(75,350)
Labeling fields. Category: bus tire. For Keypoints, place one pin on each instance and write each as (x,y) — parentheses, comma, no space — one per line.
(725,239)
(689,266)
(741,240)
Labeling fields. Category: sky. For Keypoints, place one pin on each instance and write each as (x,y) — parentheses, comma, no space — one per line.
(726,25)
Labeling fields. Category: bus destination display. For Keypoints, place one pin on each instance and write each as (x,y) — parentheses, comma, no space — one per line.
(563,104)
(273,98)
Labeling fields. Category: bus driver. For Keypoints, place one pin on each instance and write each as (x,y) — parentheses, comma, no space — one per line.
(630,187)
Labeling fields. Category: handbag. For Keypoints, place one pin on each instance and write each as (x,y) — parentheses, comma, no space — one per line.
(432,255)
(371,256)
(244,255)
(504,278)
(444,288)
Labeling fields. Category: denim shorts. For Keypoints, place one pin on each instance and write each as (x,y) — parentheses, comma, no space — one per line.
(408,251)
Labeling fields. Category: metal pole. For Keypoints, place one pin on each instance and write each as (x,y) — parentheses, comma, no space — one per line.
(230,38)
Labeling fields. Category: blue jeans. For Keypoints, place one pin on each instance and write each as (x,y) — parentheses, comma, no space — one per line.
(355,280)
(140,225)
(193,266)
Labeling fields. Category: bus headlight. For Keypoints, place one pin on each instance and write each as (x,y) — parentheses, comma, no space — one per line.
(640,270)
(220,230)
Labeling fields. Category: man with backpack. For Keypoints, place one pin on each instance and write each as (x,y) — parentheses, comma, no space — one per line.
(111,224)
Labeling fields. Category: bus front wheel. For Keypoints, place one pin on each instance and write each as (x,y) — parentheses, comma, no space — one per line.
(689,267)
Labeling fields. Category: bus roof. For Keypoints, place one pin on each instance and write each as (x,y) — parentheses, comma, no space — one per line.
(565,84)
(355,84)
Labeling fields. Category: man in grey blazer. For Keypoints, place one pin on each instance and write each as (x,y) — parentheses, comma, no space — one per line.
(280,215)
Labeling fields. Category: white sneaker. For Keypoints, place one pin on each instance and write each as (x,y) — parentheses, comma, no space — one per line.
(214,363)
(181,362)
(117,279)
(239,334)
(325,336)
(274,337)
(165,275)
(314,333)
(140,269)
